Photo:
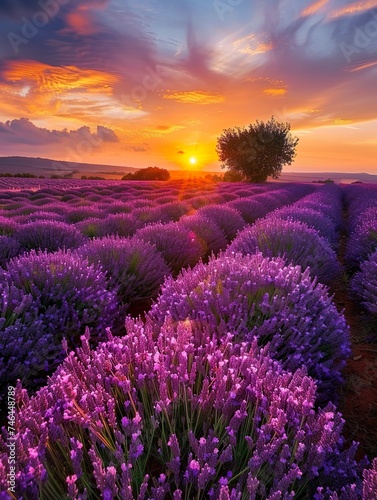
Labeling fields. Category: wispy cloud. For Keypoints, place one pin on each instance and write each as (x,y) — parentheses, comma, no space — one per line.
(354,8)
(314,7)
(275,92)
(195,97)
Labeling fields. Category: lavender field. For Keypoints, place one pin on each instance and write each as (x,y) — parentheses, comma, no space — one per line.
(187,340)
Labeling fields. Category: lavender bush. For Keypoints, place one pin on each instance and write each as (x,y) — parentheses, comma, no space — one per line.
(364,284)
(150,215)
(48,235)
(209,233)
(206,200)
(162,199)
(117,207)
(321,223)
(86,212)
(47,297)
(249,209)
(123,225)
(361,243)
(91,228)
(370,482)
(229,196)
(43,215)
(9,248)
(359,199)
(134,268)
(146,420)
(294,241)
(7,226)
(174,211)
(227,218)
(255,297)
(367,216)
(179,247)
(326,208)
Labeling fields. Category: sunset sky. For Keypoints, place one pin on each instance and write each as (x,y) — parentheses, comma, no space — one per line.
(155,82)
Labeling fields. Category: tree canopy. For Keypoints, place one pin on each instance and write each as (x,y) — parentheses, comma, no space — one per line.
(257,151)
(148,174)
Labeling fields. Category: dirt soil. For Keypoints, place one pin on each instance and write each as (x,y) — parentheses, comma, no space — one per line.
(359,395)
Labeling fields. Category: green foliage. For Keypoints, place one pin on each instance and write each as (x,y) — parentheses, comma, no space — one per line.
(213,178)
(148,174)
(92,178)
(257,151)
(233,176)
(24,175)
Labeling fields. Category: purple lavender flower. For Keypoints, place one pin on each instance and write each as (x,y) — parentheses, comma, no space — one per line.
(293,241)
(361,243)
(174,210)
(249,208)
(86,212)
(227,218)
(7,226)
(48,235)
(9,248)
(121,224)
(179,247)
(47,298)
(133,267)
(255,297)
(364,284)
(209,233)
(42,215)
(314,219)
(283,445)
(370,482)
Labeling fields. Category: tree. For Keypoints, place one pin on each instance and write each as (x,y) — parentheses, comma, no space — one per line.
(233,176)
(148,174)
(257,151)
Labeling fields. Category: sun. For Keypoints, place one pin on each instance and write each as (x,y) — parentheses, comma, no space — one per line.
(192,161)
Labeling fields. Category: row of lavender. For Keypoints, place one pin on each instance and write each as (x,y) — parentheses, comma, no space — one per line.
(187,404)
(16,184)
(48,296)
(361,254)
(51,218)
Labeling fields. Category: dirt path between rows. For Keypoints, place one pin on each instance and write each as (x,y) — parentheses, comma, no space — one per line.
(359,395)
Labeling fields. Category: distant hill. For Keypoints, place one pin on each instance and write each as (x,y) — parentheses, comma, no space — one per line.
(337,177)
(48,167)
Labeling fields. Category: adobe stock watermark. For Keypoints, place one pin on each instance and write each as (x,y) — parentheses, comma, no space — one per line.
(225,6)
(150,81)
(361,40)
(11,439)
(86,144)
(31,26)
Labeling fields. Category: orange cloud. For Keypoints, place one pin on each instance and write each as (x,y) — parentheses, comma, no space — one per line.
(314,7)
(363,66)
(341,121)
(275,92)
(251,45)
(353,8)
(160,130)
(43,90)
(195,97)
(58,79)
